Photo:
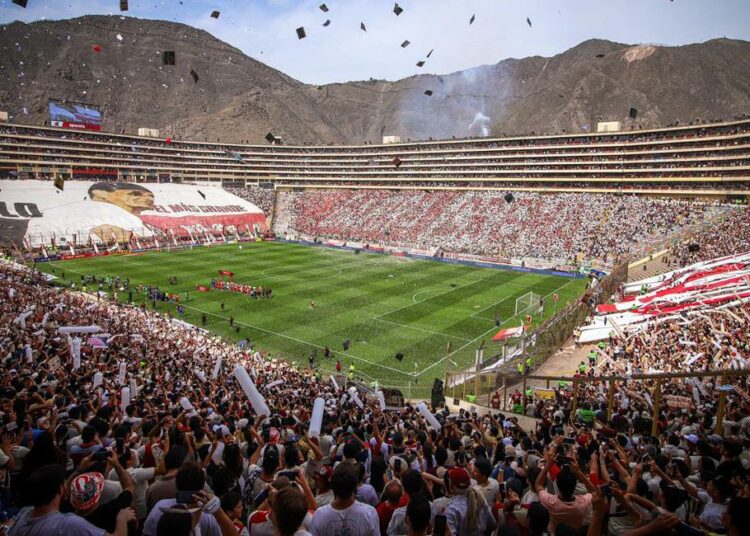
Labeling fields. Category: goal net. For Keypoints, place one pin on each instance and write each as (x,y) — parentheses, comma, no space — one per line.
(529,304)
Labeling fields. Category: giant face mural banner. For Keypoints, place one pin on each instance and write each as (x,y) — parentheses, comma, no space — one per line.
(33,213)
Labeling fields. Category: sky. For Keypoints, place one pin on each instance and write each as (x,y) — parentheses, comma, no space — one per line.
(265,29)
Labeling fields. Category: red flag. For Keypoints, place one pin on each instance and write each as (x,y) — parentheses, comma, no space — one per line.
(508,333)
(201,288)
(226,273)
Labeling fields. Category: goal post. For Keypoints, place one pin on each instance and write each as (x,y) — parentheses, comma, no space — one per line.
(529,304)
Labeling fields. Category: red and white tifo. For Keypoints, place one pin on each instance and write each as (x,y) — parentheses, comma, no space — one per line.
(677,295)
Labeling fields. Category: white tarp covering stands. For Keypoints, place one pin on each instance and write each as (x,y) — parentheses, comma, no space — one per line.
(676,295)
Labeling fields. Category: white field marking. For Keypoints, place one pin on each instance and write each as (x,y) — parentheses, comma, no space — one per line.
(350,356)
(486,332)
(493,305)
(431,297)
(420,329)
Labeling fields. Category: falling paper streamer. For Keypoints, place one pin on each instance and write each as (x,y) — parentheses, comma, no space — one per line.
(217,368)
(429,417)
(124,398)
(255,398)
(316,420)
(275,383)
(334,383)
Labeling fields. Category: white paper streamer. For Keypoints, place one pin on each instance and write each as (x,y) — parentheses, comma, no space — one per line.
(75,350)
(316,420)
(428,416)
(201,376)
(255,398)
(216,457)
(187,406)
(275,383)
(381,400)
(98,379)
(122,373)
(124,398)
(217,368)
(333,382)
(79,329)
(133,388)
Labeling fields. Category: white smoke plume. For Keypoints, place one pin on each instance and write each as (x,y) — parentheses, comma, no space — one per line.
(480,125)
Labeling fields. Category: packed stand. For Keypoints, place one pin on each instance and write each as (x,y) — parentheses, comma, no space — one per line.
(618,161)
(262,198)
(730,236)
(541,226)
(187,454)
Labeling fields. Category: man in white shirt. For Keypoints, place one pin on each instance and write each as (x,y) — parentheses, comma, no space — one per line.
(345,515)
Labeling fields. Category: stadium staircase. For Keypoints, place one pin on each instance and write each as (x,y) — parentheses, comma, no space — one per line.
(282,213)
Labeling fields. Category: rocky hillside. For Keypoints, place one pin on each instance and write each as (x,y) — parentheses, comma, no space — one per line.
(238,98)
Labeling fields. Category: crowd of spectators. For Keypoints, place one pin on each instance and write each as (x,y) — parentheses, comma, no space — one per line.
(728,237)
(183,452)
(262,198)
(541,226)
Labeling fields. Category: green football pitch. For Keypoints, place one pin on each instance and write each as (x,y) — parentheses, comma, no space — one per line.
(434,313)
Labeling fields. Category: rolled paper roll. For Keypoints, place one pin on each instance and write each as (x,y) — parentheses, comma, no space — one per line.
(316,420)
(133,388)
(428,416)
(334,383)
(255,398)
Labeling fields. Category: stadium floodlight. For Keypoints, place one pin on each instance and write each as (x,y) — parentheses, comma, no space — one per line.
(529,304)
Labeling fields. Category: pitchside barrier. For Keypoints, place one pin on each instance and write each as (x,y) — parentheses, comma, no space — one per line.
(579,390)
(534,347)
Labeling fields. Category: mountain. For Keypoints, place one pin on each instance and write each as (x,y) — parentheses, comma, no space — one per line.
(238,98)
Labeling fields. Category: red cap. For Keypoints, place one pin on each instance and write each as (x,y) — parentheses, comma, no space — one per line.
(459,478)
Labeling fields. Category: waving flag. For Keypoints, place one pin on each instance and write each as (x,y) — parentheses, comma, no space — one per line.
(508,333)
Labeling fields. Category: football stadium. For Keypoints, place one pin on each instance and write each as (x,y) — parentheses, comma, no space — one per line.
(243,294)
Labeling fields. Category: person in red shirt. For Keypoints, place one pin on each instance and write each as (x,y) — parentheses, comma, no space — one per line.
(391,500)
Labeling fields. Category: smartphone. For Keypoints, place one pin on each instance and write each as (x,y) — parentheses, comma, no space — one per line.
(101,455)
(438,527)
(397,465)
(569,441)
(11,426)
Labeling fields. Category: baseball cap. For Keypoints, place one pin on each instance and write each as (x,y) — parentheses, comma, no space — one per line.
(459,478)
(86,490)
